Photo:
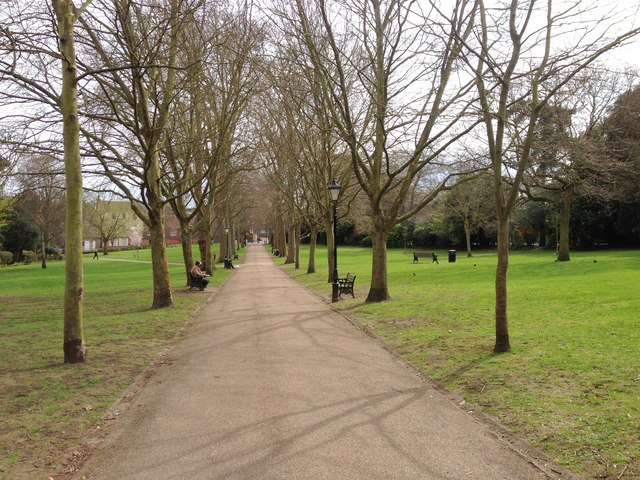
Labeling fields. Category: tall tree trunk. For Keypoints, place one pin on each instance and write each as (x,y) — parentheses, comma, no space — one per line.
(467,236)
(277,229)
(565,217)
(156,136)
(44,254)
(224,245)
(313,240)
(206,250)
(543,232)
(219,235)
(161,286)
(203,234)
(379,291)
(202,251)
(502,328)
(297,246)
(73,343)
(291,244)
(281,237)
(187,253)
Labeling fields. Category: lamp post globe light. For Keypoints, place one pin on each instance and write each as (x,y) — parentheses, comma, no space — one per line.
(334,193)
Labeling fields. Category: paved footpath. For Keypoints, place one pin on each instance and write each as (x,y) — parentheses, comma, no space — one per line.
(269,382)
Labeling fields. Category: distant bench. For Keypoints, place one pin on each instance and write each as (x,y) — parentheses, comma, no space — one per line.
(431,255)
(345,285)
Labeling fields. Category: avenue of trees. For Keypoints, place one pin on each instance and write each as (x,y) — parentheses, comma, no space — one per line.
(458,122)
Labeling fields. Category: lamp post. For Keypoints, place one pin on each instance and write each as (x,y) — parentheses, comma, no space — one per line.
(334,192)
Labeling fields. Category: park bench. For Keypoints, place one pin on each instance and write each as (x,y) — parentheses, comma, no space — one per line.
(345,285)
(433,256)
(195,281)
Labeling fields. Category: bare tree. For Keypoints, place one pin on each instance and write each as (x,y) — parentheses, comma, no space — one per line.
(29,49)
(302,153)
(67,15)
(133,48)
(31,44)
(207,144)
(324,158)
(387,77)
(42,199)
(283,150)
(524,70)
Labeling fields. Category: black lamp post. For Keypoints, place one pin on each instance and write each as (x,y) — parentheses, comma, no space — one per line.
(334,192)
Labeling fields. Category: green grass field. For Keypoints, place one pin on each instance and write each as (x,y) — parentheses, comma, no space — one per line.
(46,406)
(570,384)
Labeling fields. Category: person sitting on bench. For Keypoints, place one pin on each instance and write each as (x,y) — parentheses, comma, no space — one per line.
(228,264)
(199,276)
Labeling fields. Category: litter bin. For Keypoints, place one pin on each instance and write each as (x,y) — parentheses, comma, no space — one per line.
(452,256)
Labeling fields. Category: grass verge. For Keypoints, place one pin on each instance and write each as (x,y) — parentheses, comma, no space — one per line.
(47,407)
(571,383)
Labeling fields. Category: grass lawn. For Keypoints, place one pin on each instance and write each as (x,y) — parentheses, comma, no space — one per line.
(571,383)
(46,406)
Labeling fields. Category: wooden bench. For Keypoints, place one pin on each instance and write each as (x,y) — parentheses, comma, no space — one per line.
(198,282)
(345,285)
(431,255)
